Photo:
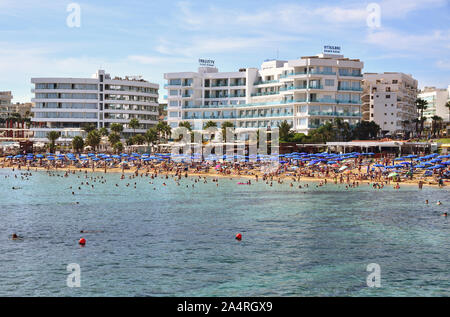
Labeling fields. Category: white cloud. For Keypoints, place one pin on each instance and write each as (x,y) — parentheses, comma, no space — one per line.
(431,42)
(443,64)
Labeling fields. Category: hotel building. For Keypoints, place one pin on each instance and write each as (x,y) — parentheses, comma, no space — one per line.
(436,98)
(389,99)
(67,104)
(306,92)
(5,104)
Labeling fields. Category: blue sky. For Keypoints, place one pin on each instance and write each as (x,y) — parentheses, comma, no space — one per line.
(149,38)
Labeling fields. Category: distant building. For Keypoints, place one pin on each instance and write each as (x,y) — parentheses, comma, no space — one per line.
(5,104)
(306,92)
(389,100)
(436,98)
(67,104)
(8,108)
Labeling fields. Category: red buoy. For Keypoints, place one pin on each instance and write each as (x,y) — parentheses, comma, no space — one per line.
(239,237)
(82,241)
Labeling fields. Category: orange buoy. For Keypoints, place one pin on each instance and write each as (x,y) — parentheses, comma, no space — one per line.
(82,241)
(239,237)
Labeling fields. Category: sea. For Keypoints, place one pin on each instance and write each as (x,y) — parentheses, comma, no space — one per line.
(160,238)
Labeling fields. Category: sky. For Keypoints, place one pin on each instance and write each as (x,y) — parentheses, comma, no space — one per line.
(150,38)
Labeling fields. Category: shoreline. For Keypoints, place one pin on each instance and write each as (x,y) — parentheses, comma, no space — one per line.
(283,177)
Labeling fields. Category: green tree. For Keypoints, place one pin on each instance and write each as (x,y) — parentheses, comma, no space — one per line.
(421,106)
(134,124)
(436,125)
(448,107)
(117,128)
(113,138)
(118,147)
(138,139)
(78,144)
(88,127)
(185,124)
(366,130)
(52,136)
(103,131)
(210,124)
(151,136)
(93,139)
(164,130)
(285,129)
(224,126)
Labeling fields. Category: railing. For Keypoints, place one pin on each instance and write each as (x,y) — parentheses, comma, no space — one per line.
(262,82)
(351,88)
(293,87)
(267,93)
(351,75)
(237,84)
(220,85)
(293,74)
(217,97)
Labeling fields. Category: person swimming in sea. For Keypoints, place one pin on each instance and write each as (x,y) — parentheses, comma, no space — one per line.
(14,236)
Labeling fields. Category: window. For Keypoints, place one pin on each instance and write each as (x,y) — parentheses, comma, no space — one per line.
(388,96)
(329,82)
(371,115)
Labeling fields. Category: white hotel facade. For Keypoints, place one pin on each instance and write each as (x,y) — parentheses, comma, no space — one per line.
(67,104)
(389,99)
(306,92)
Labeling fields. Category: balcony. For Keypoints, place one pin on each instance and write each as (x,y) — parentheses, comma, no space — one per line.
(350,88)
(220,85)
(266,93)
(350,75)
(216,97)
(266,82)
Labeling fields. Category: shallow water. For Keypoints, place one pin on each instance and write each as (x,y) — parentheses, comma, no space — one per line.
(178,241)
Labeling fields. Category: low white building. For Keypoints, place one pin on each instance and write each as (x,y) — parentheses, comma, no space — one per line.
(67,104)
(306,92)
(389,100)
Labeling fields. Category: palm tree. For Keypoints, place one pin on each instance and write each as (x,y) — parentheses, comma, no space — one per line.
(405,124)
(436,125)
(185,124)
(113,138)
(134,124)
(88,127)
(93,139)
(224,126)
(117,128)
(118,147)
(52,136)
(448,107)
(103,131)
(77,144)
(163,129)
(421,105)
(151,136)
(138,139)
(210,124)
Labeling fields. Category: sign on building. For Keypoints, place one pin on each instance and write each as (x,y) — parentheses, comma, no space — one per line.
(331,49)
(206,62)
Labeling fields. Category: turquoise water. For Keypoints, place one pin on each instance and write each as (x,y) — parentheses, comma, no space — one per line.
(178,241)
